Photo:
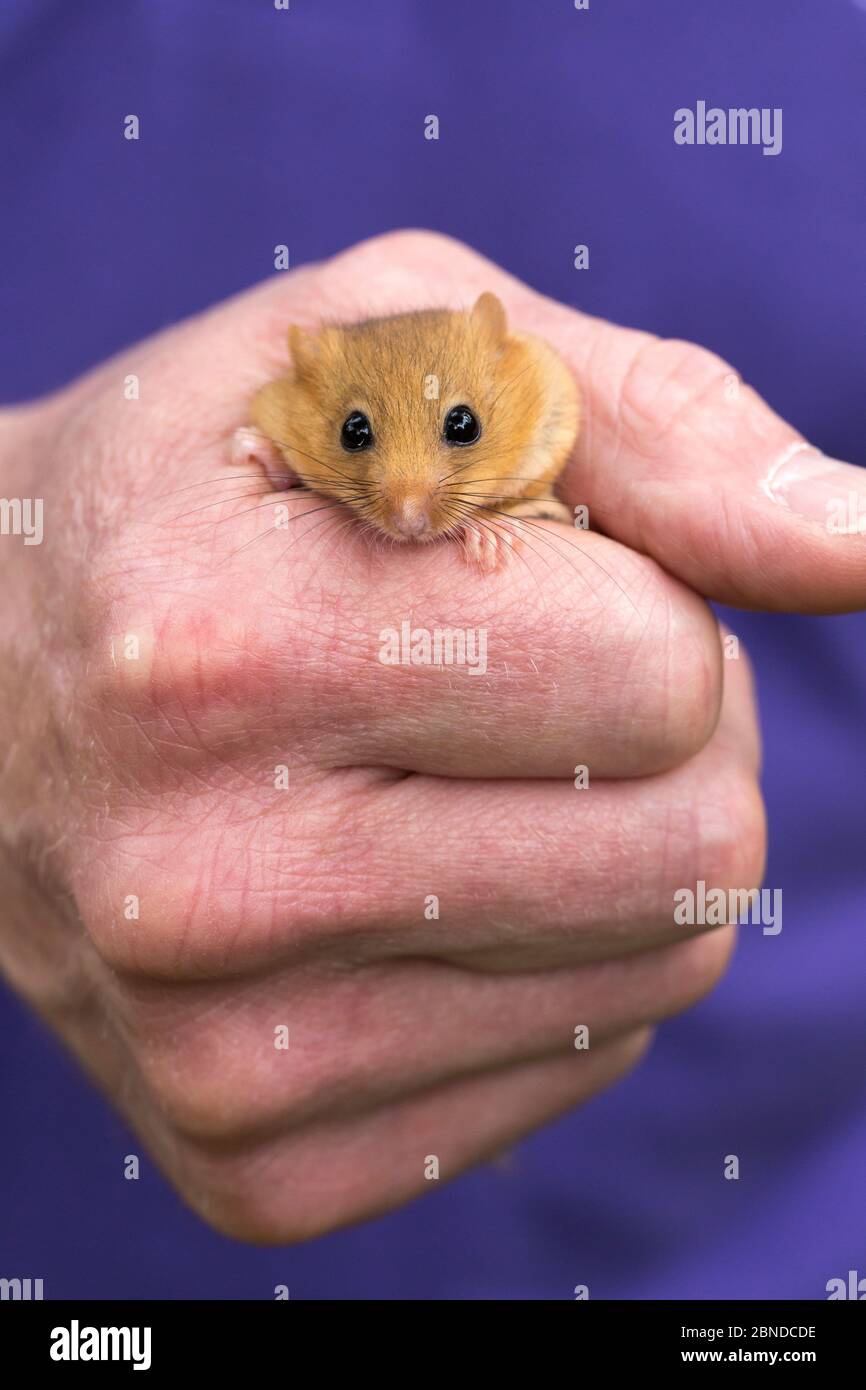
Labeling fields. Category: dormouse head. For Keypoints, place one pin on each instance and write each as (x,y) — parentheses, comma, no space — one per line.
(416,420)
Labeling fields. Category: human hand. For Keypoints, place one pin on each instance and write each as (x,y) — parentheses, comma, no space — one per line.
(174,898)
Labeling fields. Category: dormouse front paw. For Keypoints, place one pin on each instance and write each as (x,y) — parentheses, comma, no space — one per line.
(489,541)
(252,449)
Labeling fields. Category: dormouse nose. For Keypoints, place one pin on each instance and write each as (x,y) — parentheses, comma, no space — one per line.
(411,517)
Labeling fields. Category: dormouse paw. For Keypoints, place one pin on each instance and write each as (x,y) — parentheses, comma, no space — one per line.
(252,449)
(487,546)
(490,541)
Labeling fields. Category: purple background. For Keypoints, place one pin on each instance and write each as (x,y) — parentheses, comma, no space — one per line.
(305,127)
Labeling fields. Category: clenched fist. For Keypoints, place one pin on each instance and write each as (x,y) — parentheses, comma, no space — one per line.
(323,921)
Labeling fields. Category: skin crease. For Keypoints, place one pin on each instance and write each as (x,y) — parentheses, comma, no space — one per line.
(154,775)
(410,484)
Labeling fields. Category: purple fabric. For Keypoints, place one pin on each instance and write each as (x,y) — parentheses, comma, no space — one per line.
(305,127)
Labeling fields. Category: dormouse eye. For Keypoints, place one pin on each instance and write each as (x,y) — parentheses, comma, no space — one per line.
(357,432)
(461,426)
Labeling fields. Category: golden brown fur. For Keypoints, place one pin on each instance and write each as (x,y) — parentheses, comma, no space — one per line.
(405,373)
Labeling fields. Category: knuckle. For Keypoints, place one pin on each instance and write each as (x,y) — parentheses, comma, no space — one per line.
(175,689)
(224,1189)
(197,657)
(135,917)
(198,1096)
(211,1088)
(216,1064)
(244,1195)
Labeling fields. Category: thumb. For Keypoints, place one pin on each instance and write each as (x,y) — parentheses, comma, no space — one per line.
(680,459)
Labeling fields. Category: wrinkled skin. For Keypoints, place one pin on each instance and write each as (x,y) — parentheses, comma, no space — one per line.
(151,777)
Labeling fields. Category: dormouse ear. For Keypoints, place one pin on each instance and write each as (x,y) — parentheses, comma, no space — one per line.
(304,350)
(489,314)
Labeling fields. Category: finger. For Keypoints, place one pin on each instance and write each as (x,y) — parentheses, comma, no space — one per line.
(580,652)
(510,875)
(321,1177)
(355,1040)
(471,1117)
(582,656)
(708,825)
